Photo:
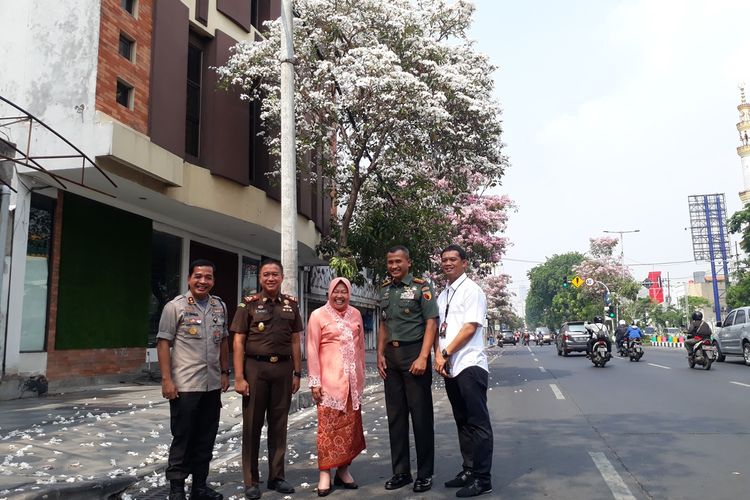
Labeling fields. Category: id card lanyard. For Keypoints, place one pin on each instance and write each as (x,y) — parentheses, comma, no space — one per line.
(444,325)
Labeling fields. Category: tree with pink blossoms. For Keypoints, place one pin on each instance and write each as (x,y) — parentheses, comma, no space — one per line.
(601,265)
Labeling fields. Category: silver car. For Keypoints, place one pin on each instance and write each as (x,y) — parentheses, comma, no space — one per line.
(732,336)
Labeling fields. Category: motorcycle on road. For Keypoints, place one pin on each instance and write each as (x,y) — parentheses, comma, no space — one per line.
(622,349)
(635,350)
(599,354)
(703,354)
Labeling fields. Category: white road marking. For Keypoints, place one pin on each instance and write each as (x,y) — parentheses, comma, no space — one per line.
(541,369)
(739,383)
(529,348)
(556,390)
(536,359)
(659,366)
(616,485)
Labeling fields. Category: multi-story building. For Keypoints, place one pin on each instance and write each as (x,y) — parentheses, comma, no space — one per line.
(129,83)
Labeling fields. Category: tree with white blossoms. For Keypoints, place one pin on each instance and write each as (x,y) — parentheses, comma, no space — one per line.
(393,102)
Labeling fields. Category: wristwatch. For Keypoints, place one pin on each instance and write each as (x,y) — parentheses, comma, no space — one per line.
(297,374)
(445,354)
(226,372)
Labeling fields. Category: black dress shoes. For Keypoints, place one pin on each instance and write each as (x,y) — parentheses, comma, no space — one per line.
(422,484)
(475,488)
(252,493)
(337,481)
(398,481)
(324,492)
(462,479)
(281,486)
(203,492)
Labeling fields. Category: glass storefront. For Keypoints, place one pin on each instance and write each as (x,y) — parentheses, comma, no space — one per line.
(36,281)
(249,276)
(166,281)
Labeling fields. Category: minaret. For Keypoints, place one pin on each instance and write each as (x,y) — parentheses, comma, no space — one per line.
(743,127)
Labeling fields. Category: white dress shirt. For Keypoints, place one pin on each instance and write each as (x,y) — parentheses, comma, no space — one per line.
(466,303)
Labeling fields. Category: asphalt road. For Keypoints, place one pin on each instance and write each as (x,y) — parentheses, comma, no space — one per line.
(563,430)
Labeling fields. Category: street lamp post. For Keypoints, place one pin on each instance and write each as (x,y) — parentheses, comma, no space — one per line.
(622,246)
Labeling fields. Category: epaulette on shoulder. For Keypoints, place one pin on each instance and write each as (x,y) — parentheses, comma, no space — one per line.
(291,297)
(386,282)
(419,281)
(251,298)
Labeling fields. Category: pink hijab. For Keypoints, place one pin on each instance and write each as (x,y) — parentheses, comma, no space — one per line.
(332,285)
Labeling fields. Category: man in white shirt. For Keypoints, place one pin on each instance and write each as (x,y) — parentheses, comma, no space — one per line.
(461,359)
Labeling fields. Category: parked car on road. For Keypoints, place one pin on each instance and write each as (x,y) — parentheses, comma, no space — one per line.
(732,336)
(573,337)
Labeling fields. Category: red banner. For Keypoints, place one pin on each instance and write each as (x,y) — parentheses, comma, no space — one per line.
(655,291)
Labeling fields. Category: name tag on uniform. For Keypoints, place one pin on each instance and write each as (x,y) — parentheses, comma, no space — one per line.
(408,294)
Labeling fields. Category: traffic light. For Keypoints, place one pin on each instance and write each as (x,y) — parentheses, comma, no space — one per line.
(565,283)
(610,311)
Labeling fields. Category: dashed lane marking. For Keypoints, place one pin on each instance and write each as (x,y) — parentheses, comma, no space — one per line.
(616,485)
(739,383)
(556,390)
(529,348)
(659,366)
(541,369)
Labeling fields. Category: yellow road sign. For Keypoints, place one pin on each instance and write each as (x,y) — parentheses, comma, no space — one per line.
(577,281)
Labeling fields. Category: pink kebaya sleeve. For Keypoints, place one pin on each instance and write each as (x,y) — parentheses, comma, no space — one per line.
(313,349)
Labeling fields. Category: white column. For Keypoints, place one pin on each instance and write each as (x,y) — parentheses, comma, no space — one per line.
(17,279)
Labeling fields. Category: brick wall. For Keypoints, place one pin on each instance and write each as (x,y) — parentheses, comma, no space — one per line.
(111,65)
(76,363)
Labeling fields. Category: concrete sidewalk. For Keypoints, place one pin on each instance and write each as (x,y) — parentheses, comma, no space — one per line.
(96,442)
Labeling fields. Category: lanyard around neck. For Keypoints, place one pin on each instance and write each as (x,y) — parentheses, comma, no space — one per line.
(448,304)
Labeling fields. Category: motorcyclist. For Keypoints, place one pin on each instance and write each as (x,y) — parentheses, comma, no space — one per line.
(597,330)
(698,330)
(622,327)
(632,333)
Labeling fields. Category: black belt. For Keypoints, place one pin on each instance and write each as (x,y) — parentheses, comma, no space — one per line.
(402,343)
(269,358)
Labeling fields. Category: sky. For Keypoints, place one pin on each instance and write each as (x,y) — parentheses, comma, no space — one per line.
(614,112)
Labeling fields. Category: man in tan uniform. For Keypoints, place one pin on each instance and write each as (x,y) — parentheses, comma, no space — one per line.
(267,361)
(193,351)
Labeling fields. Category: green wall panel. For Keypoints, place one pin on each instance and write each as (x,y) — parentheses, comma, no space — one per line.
(105,272)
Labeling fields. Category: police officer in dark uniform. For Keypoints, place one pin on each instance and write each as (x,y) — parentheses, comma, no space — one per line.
(405,339)
(267,359)
(193,351)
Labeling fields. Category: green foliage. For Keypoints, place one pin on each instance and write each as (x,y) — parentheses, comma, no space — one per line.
(740,223)
(547,300)
(738,294)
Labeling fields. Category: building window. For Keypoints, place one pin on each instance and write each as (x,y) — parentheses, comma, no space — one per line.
(166,280)
(124,94)
(128,6)
(193,108)
(126,47)
(36,278)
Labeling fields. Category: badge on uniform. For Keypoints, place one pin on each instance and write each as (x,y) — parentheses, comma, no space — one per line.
(191,300)
(427,295)
(193,330)
(407,311)
(261,326)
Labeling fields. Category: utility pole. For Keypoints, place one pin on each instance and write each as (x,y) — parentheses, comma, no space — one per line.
(622,246)
(288,154)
